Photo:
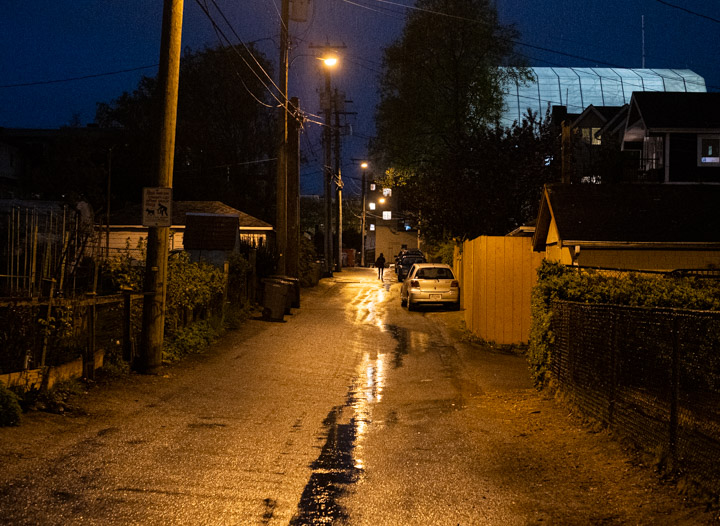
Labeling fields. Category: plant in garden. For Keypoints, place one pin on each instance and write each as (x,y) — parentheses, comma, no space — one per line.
(9,407)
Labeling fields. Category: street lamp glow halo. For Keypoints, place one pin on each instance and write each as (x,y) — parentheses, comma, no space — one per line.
(330,61)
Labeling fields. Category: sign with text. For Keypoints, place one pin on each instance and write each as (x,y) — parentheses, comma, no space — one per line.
(157,207)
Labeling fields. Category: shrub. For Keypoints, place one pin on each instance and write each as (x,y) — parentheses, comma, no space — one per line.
(9,407)
(556,281)
(306,264)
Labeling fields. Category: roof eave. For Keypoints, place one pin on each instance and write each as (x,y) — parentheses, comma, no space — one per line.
(654,245)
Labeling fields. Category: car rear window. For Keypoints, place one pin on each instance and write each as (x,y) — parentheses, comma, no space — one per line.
(435,273)
(408,262)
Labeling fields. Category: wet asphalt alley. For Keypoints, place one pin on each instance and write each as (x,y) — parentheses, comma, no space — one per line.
(351,411)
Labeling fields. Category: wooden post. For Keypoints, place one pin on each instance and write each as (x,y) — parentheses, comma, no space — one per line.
(150,358)
(89,357)
(292,265)
(127,327)
(675,389)
(281,226)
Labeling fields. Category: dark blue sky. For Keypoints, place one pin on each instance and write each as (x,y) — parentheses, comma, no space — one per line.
(46,41)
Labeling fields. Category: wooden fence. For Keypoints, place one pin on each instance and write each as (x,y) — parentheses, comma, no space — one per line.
(496,279)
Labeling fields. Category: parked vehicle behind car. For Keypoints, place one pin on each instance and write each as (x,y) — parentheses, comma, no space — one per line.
(406,261)
(429,283)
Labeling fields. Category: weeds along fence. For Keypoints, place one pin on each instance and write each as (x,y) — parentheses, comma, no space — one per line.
(651,374)
(36,335)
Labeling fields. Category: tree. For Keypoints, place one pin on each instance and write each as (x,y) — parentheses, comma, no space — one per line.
(225,140)
(438,137)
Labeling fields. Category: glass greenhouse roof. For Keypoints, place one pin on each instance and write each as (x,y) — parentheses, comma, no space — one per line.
(578,88)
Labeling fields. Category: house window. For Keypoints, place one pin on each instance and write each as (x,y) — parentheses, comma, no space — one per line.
(653,153)
(372,186)
(588,135)
(708,150)
(372,227)
(387,215)
(371,206)
(387,192)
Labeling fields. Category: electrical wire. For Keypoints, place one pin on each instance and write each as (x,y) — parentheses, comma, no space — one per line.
(534,46)
(242,81)
(71,79)
(689,11)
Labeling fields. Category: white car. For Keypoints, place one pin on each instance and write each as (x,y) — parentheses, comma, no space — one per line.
(430,283)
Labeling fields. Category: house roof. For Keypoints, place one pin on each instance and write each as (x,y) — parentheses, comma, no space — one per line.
(605,113)
(630,214)
(676,111)
(133,215)
(616,123)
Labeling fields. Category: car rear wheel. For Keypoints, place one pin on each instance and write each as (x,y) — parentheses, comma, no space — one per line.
(410,305)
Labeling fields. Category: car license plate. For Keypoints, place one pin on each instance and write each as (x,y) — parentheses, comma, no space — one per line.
(435,296)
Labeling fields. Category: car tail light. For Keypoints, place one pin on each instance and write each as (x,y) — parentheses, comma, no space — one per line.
(414,283)
(454,284)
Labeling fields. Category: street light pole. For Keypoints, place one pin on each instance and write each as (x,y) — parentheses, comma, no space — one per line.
(327,171)
(339,218)
(364,166)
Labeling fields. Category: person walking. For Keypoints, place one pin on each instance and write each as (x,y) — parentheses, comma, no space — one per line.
(380,264)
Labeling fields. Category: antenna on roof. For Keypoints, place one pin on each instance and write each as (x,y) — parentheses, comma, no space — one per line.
(643,41)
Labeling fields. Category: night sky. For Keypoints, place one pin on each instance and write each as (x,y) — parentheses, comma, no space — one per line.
(47,41)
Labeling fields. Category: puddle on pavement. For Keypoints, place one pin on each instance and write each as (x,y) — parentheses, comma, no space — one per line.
(340,463)
(401,347)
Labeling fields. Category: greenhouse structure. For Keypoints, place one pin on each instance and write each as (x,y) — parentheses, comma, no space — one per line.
(578,88)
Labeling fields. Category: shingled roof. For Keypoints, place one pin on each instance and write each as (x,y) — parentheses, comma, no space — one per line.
(133,214)
(676,111)
(624,214)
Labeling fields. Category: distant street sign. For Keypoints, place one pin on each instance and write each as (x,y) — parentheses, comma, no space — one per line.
(157,207)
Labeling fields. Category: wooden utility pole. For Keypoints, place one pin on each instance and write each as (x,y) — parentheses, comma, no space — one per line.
(292,266)
(281,226)
(337,104)
(326,100)
(150,358)
(327,171)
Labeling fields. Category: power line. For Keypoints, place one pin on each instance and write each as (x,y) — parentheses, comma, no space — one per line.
(689,11)
(71,79)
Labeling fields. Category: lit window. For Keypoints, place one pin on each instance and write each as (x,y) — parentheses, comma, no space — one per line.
(387,192)
(372,186)
(708,150)
(387,215)
(653,156)
(588,135)
(372,226)
(371,206)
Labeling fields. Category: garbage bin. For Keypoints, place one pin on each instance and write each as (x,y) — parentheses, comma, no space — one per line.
(275,299)
(293,293)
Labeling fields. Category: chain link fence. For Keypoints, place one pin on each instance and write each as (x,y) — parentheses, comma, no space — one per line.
(652,375)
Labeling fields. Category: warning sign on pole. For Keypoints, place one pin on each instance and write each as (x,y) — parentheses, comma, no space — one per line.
(157,207)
